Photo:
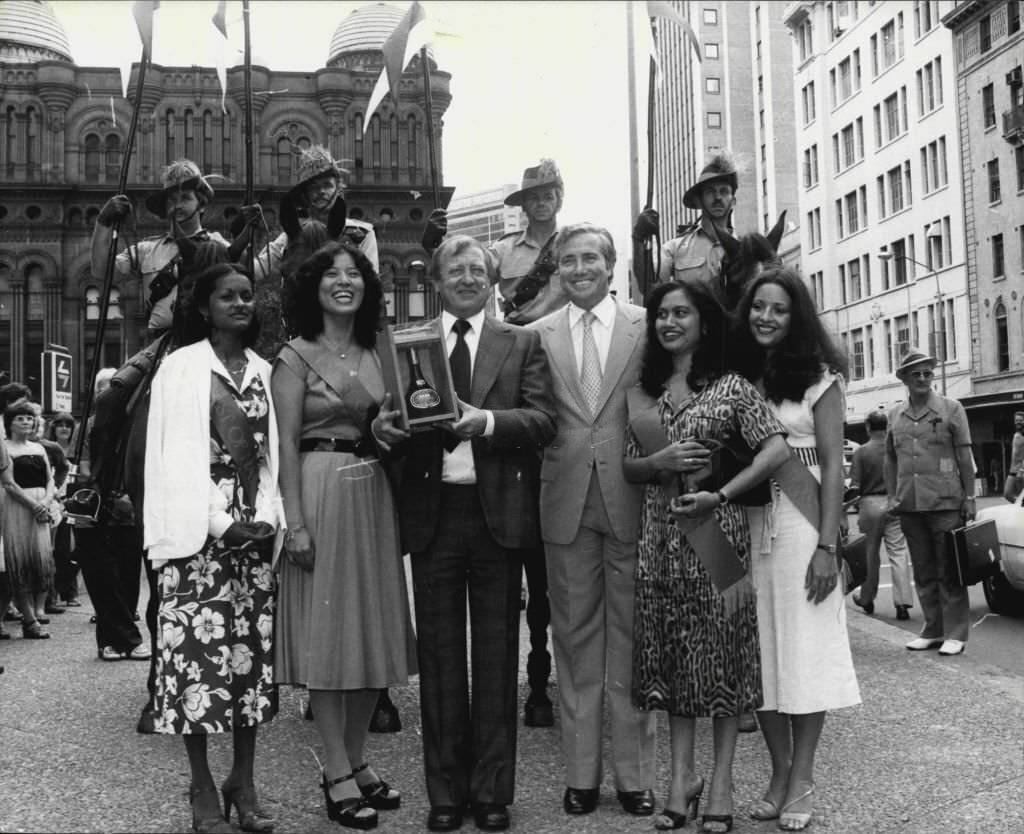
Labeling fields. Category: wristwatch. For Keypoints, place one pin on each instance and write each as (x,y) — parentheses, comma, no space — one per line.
(723,499)
(830,549)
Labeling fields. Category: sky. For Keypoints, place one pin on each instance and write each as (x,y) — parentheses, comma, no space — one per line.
(529,79)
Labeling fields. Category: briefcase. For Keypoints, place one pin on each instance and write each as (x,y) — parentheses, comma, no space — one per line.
(976,551)
(855,561)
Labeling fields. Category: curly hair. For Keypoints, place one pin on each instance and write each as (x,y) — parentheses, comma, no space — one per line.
(196,326)
(309,315)
(709,359)
(796,364)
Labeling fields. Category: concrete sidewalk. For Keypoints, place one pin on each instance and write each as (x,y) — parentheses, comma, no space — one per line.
(935,747)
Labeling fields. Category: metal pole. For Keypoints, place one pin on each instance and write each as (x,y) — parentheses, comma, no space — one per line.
(941,331)
(249,172)
(428,102)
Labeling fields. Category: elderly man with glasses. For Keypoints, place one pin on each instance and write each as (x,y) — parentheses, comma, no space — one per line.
(929,477)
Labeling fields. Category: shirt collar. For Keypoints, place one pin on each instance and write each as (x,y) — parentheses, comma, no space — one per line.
(933,403)
(475,322)
(200,234)
(708,228)
(604,311)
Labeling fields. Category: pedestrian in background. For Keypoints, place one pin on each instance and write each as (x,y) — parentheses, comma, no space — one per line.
(782,347)
(211,515)
(867,477)
(343,624)
(929,476)
(695,644)
(1015,476)
(60,431)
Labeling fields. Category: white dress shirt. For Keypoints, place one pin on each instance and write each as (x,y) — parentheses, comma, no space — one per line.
(604,312)
(457,466)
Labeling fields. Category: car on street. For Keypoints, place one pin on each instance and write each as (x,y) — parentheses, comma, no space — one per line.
(1004,591)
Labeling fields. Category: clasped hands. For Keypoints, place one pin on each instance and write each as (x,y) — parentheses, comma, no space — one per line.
(472,422)
(686,457)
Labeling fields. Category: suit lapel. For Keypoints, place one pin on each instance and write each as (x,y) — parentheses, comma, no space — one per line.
(495,343)
(624,338)
(562,357)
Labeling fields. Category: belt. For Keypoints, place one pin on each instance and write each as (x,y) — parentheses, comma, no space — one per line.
(360,448)
(808,455)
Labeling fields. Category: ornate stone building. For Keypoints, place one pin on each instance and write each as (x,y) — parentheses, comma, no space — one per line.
(62,128)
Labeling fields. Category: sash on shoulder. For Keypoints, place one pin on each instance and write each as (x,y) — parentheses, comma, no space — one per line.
(714,550)
(324,365)
(239,442)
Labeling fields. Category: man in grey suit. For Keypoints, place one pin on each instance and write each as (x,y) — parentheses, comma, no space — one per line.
(589,516)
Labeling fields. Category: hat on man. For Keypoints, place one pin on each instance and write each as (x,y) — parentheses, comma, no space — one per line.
(313,162)
(538,176)
(182,174)
(913,357)
(720,169)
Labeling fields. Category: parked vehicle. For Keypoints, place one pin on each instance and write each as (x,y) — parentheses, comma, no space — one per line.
(1004,592)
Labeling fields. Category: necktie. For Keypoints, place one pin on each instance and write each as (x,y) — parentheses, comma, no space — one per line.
(590,373)
(459,362)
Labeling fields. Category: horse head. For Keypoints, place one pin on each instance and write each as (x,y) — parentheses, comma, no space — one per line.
(746,256)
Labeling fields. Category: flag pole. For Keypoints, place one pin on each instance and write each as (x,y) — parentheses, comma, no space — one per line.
(108,278)
(249,172)
(430,126)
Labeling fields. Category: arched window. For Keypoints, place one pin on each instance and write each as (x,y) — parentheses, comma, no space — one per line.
(225,145)
(92,303)
(207,142)
(113,157)
(1002,337)
(92,158)
(32,138)
(375,142)
(284,161)
(114,308)
(190,136)
(413,155)
(358,135)
(393,144)
(169,137)
(11,140)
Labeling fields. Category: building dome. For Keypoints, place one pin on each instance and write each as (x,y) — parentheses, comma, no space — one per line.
(30,31)
(364,30)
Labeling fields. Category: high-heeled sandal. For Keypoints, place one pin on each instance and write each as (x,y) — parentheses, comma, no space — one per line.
(250,817)
(208,825)
(764,809)
(669,820)
(347,812)
(796,820)
(33,631)
(716,823)
(379,794)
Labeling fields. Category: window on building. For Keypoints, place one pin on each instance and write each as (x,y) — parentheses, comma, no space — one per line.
(994,190)
(190,135)
(412,134)
(998,263)
(895,179)
(880,185)
(857,345)
(714,118)
(929,87)
(811,166)
(887,53)
(92,158)
(898,262)
(845,79)
(375,146)
(112,157)
(840,227)
(808,103)
(934,174)
(842,283)
(225,145)
(814,229)
(985,33)
(1018,160)
(908,189)
(902,324)
(849,146)
(878,126)
(711,17)
(818,289)
(711,51)
(1002,337)
(926,16)
(892,117)
(853,276)
(713,85)
(207,160)
(805,40)
(988,105)
(852,213)
(170,147)
(1012,17)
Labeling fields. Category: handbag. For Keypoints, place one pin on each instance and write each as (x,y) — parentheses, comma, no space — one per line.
(728,458)
(976,551)
(854,555)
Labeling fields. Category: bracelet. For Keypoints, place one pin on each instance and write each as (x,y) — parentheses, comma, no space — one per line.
(830,549)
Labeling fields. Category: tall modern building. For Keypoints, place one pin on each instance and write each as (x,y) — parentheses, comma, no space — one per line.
(737,94)
(989,78)
(62,128)
(483,214)
(882,228)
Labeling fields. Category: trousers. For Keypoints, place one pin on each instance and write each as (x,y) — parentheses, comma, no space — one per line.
(944,601)
(877,524)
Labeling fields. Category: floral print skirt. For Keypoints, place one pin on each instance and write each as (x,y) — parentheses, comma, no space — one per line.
(214,662)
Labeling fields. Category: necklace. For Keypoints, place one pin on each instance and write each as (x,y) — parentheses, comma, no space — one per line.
(239,366)
(343,353)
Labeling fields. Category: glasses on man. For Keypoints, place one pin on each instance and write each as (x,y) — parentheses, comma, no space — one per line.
(921,374)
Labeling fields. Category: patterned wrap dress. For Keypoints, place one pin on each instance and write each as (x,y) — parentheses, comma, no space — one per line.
(690,657)
(214,661)
(805,649)
(28,545)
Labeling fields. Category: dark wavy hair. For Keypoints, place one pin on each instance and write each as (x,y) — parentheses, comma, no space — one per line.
(16,409)
(309,316)
(197,327)
(61,418)
(709,359)
(796,364)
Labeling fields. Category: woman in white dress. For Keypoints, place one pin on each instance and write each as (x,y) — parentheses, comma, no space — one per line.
(805,652)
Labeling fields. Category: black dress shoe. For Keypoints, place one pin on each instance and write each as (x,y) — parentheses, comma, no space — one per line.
(538,712)
(902,612)
(869,607)
(444,818)
(637,803)
(580,800)
(490,816)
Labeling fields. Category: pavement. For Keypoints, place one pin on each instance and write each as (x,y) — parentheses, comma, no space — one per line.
(936,746)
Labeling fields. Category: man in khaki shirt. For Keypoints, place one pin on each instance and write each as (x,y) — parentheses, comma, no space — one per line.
(929,477)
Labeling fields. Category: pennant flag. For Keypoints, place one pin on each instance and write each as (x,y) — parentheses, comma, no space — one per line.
(144,12)
(113,113)
(666,11)
(409,36)
(221,49)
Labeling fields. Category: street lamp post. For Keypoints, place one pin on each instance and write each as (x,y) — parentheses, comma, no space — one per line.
(886,255)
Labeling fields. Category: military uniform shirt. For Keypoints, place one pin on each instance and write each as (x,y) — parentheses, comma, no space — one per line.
(152,255)
(515,255)
(923,446)
(268,262)
(695,254)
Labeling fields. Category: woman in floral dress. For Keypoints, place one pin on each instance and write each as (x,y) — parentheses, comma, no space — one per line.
(695,646)
(212,512)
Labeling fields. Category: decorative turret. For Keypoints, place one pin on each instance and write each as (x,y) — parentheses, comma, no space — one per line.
(30,31)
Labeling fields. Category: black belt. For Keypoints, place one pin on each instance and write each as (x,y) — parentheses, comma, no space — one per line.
(362,447)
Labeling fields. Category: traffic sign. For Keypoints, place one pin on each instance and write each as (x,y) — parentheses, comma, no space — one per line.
(57,379)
